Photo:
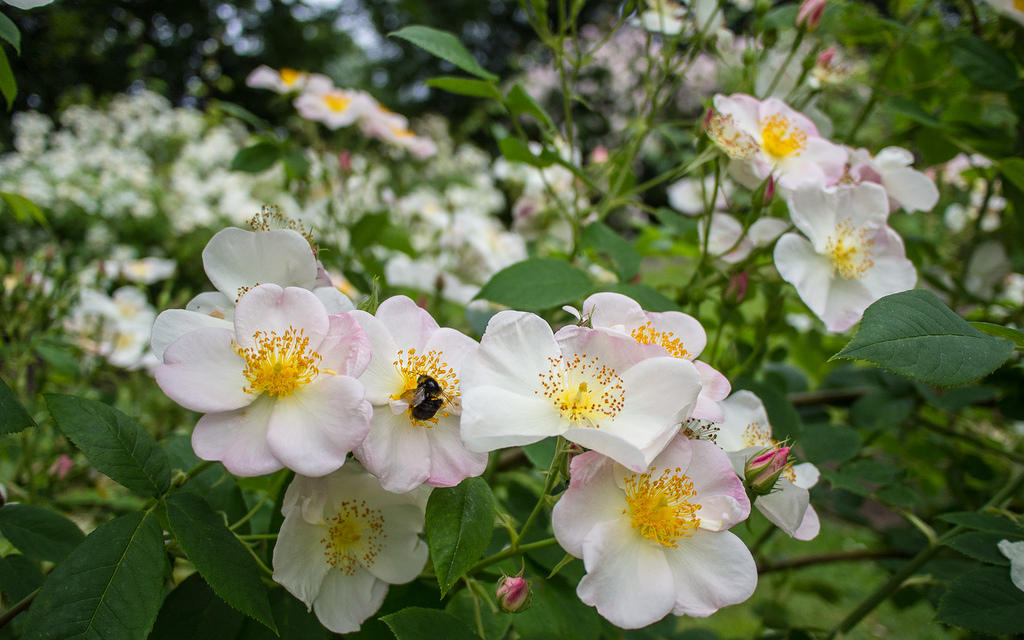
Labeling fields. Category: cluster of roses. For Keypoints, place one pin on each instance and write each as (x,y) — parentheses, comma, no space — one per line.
(845,256)
(288,374)
(319,100)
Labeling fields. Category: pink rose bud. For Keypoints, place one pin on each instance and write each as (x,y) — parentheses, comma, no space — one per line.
(769,190)
(737,288)
(61,466)
(345,161)
(707,118)
(825,57)
(513,593)
(762,471)
(809,14)
(599,155)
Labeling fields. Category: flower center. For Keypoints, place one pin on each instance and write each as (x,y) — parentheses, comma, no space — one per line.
(661,510)
(290,76)
(353,537)
(850,250)
(1018,5)
(279,365)
(584,391)
(399,132)
(419,393)
(337,102)
(781,137)
(647,334)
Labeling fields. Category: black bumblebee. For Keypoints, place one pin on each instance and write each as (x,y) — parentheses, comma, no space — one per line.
(427,399)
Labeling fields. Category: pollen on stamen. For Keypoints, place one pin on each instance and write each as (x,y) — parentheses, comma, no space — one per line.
(647,334)
(411,365)
(279,364)
(584,391)
(850,250)
(781,137)
(660,509)
(697,429)
(354,537)
(758,435)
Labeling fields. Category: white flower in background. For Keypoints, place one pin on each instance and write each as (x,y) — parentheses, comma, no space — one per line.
(236,260)
(282,80)
(143,270)
(1009,8)
(596,387)
(829,69)
(384,124)
(27,4)
(849,257)
(987,268)
(322,102)
(413,384)
(680,334)
(778,140)
(278,389)
(662,16)
(1014,552)
(344,539)
(744,433)
(729,242)
(906,187)
(1013,289)
(116,327)
(691,196)
(656,542)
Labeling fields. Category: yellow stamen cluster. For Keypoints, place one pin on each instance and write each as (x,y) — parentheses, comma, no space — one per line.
(290,76)
(270,218)
(647,334)
(400,132)
(735,142)
(758,435)
(354,537)
(279,364)
(337,101)
(697,429)
(660,509)
(1018,5)
(584,391)
(411,365)
(850,250)
(781,137)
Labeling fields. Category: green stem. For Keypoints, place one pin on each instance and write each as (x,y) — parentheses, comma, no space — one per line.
(480,631)
(13,612)
(249,515)
(257,536)
(549,484)
(511,552)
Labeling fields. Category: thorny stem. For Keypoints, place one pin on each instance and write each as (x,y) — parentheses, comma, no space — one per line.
(22,604)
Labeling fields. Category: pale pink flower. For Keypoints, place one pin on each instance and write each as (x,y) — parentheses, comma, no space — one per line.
(414,433)
(335,108)
(656,542)
(595,387)
(279,389)
(282,80)
(1014,552)
(344,539)
(906,187)
(728,240)
(849,257)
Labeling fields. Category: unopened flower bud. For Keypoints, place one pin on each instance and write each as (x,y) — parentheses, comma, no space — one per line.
(737,288)
(809,14)
(599,155)
(825,57)
(769,190)
(513,593)
(762,471)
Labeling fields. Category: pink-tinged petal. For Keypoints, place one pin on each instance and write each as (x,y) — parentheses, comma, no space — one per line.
(515,348)
(613,311)
(810,527)
(454,345)
(765,231)
(236,260)
(312,430)
(609,347)
(174,323)
(785,507)
(381,378)
(773,106)
(493,418)
(683,327)
(806,475)
(628,578)
(333,300)
(404,554)
(346,348)
(720,492)
(592,498)
(819,165)
(711,570)
(395,450)
(808,271)
(893,158)
(450,461)
(739,410)
(238,439)
(912,189)
(409,324)
(213,303)
(744,109)
(298,566)
(345,602)
(202,372)
(713,387)
(270,308)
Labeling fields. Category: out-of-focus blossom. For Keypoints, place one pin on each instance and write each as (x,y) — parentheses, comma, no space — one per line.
(322,102)
(27,4)
(728,241)
(1009,8)
(691,196)
(1014,552)
(117,327)
(344,539)
(849,257)
(809,13)
(656,542)
(147,270)
(987,268)
(829,69)
(663,16)
(61,467)
(775,140)
(282,80)
(906,187)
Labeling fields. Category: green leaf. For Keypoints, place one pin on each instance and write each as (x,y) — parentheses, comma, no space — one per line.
(444,45)
(1000,331)
(910,109)
(872,471)
(461,606)
(8,86)
(419,623)
(984,600)
(1013,170)
(9,32)
(522,103)
(38,532)
(980,545)
(557,612)
(985,522)
(913,334)
(19,577)
(984,65)
(219,556)
(515,150)
(295,163)
(13,417)
(465,86)
(195,612)
(826,442)
(541,453)
(23,208)
(536,284)
(459,524)
(604,239)
(259,157)
(114,443)
(108,588)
